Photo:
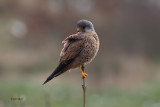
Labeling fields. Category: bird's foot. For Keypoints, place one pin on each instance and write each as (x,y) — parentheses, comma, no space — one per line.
(84,75)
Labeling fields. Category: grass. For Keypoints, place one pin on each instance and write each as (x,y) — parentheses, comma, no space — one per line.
(69,96)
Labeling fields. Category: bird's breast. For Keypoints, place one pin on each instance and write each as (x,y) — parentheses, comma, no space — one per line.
(90,49)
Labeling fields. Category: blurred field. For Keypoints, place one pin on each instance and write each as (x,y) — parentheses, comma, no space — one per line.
(61,95)
(125,73)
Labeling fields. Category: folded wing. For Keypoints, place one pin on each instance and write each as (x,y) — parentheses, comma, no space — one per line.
(72,47)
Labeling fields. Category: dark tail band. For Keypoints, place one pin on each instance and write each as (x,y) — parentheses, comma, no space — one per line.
(59,70)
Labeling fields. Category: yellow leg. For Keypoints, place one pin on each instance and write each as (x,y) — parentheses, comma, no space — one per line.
(84,75)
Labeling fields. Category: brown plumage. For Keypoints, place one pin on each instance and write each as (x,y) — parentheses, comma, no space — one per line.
(79,49)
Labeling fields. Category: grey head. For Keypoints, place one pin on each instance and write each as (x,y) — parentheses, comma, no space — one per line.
(84,26)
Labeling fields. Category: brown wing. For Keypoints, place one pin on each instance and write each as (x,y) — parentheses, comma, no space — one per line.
(72,47)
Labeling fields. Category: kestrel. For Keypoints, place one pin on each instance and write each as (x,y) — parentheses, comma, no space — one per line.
(79,49)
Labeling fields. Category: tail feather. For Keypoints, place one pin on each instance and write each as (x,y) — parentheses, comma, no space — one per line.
(59,70)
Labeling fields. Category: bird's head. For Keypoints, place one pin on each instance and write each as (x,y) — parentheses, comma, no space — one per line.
(84,26)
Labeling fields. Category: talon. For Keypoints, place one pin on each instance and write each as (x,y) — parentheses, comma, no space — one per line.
(84,75)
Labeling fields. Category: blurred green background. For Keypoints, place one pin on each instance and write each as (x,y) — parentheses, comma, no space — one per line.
(125,73)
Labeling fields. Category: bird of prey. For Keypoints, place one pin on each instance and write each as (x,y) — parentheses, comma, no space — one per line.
(79,49)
